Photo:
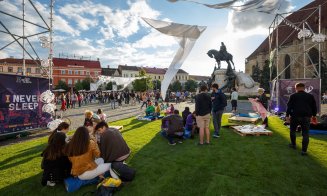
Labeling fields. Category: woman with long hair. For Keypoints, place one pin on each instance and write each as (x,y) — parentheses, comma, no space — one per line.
(84,155)
(55,163)
(62,127)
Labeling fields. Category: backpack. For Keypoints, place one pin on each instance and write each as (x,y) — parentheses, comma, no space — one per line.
(124,172)
(223,99)
(107,187)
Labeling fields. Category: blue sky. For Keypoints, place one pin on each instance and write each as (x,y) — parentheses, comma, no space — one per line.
(114,31)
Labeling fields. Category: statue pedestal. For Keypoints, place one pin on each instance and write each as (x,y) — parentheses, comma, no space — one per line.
(220,76)
(245,85)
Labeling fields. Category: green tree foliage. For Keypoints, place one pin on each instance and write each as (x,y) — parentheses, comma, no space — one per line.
(109,86)
(256,72)
(176,86)
(86,83)
(144,83)
(62,85)
(156,84)
(191,85)
(78,86)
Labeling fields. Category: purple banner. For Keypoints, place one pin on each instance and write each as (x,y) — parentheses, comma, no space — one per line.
(20,107)
(287,87)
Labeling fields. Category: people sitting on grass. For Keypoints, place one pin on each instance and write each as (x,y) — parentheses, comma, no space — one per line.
(190,125)
(62,127)
(185,113)
(102,116)
(170,109)
(149,111)
(157,109)
(55,164)
(112,145)
(84,155)
(172,127)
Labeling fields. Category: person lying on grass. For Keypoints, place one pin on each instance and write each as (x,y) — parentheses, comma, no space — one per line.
(113,147)
(62,127)
(84,155)
(55,164)
(149,111)
(173,128)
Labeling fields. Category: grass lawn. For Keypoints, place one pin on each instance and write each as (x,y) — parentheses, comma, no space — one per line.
(232,165)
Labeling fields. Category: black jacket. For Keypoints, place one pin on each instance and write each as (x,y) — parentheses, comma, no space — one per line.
(203,104)
(55,170)
(301,104)
(218,101)
(263,100)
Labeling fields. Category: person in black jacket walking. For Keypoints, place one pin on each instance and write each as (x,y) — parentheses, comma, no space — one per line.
(301,107)
(203,107)
(219,103)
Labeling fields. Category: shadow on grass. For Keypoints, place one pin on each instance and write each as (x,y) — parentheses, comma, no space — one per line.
(136,124)
(35,151)
(232,165)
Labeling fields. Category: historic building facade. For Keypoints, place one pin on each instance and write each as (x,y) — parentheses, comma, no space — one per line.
(291,48)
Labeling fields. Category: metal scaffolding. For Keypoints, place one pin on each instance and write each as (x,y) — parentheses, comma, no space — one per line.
(24,42)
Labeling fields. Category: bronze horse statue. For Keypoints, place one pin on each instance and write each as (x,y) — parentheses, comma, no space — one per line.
(221,56)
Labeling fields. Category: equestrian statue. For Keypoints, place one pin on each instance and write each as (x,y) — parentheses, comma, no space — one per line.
(223,55)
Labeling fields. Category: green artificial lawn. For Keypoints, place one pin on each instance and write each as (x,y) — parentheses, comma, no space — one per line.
(232,165)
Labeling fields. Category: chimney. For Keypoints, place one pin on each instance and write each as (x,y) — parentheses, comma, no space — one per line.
(108,66)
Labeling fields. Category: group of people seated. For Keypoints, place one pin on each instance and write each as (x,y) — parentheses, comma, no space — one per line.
(179,127)
(85,155)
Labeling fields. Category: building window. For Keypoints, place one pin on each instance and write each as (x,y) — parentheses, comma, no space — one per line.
(88,73)
(76,72)
(29,70)
(70,72)
(81,73)
(159,77)
(70,81)
(64,80)
(10,70)
(76,81)
(20,70)
(155,77)
(1,69)
(37,70)
(63,71)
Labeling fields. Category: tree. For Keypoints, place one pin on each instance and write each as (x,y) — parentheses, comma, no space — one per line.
(79,86)
(156,84)
(176,86)
(109,86)
(191,85)
(86,83)
(256,73)
(62,85)
(144,83)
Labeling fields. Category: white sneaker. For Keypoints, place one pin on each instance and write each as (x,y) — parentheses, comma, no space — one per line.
(49,183)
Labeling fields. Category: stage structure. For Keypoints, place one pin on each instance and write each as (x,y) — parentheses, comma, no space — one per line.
(23,40)
(308,26)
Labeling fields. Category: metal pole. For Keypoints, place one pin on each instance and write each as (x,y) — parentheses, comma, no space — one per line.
(304,64)
(277,59)
(51,46)
(24,66)
(319,44)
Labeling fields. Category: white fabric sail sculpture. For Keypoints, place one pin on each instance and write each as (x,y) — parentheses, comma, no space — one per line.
(265,6)
(186,35)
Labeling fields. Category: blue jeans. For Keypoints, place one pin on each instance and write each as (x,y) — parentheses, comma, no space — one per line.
(216,118)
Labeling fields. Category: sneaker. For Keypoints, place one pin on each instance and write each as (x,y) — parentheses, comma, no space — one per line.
(49,183)
(304,153)
(292,146)
(180,141)
(216,136)
(172,144)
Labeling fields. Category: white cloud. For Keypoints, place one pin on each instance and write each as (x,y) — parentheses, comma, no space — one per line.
(248,20)
(155,39)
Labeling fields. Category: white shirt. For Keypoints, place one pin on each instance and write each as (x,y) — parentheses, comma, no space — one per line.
(234,95)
